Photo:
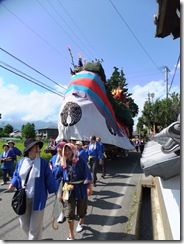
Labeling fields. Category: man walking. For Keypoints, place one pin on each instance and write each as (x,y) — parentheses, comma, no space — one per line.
(102,160)
(94,153)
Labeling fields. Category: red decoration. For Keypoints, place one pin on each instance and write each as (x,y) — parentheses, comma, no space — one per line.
(118,94)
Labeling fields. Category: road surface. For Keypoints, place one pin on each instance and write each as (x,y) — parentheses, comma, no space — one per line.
(109,208)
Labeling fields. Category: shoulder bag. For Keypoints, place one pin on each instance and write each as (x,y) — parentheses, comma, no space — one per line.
(19,198)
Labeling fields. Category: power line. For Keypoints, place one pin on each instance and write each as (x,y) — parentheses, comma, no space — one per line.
(35,32)
(132,76)
(31,68)
(30,80)
(7,65)
(144,70)
(58,23)
(135,36)
(69,28)
(174,73)
(79,29)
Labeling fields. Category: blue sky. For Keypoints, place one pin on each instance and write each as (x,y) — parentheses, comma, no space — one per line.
(120,32)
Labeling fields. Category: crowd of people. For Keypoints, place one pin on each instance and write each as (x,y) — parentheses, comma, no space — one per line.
(139,145)
(73,165)
(7,160)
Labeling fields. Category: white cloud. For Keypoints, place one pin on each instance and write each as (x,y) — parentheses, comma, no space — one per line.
(28,107)
(45,106)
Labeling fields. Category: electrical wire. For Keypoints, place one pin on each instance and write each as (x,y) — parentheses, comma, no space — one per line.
(79,29)
(135,36)
(132,76)
(9,66)
(57,12)
(31,68)
(31,80)
(174,73)
(36,33)
(58,24)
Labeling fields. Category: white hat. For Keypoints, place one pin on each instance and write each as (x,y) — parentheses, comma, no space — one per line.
(79,143)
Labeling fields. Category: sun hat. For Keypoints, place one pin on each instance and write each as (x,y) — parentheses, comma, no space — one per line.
(5,145)
(11,142)
(79,143)
(29,143)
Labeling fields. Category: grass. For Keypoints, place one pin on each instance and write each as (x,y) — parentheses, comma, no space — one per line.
(20,146)
(129,224)
(132,211)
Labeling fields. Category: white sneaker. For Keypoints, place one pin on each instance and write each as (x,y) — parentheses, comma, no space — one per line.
(70,239)
(79,228)
(3,183)
(61,217)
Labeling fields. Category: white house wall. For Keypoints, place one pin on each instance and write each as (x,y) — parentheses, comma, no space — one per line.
(171,196)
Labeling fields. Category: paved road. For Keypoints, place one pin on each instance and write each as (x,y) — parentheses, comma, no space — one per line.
(108,208)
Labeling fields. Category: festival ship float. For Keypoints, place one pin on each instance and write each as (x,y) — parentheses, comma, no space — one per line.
(86,110)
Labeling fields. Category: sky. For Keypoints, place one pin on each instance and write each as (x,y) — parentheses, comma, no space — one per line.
(35,35)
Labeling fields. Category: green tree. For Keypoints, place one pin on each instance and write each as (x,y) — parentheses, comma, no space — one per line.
(124,107)
(161,113)
(140,124)
(1,132)
(28,131)
(167,110)
(7,129)
(147,114)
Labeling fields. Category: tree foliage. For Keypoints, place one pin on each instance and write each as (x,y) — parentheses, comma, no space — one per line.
(120,99)
(28,131)
(1,132)
(161,113)
(8,129)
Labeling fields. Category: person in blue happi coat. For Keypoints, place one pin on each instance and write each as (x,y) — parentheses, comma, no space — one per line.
(102,160)
(40,183)
(77,187)
(55,165)
(81,152)
(94,153)
(7,160)
(16,151)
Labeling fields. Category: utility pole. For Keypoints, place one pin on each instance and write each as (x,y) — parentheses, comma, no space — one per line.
(166,80)
(151,95)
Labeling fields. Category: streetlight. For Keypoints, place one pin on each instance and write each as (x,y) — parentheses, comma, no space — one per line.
(151,95)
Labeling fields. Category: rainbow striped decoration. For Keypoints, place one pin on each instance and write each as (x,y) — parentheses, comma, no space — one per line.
(90,84)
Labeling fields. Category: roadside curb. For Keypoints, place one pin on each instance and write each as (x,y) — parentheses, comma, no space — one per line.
(133,225)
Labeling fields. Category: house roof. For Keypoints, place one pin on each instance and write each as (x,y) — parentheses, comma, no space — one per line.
(161,156)
(167,20)
(49,128)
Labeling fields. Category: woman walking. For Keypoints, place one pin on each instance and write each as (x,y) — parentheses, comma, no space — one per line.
(77,186)
(55,165)
(40,182)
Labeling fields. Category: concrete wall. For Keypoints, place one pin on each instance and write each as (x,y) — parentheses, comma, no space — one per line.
(169,199)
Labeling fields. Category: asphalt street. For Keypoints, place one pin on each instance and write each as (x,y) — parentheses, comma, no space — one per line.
(109,208)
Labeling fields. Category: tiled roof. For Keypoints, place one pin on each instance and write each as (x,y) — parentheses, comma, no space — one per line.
(161,156)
